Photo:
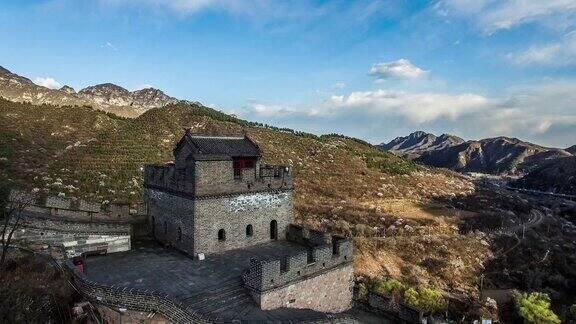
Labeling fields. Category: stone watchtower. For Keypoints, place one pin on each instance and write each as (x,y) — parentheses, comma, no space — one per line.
(217,195)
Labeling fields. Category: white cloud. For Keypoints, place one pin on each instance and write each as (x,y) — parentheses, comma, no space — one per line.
(110,46)
(47,82)
(542,112)
(177,5)
(263,109)
(144,86)
(561,53)
(339,85)
(495,15)
(191,5)
(401,68)
(284,15)
(417,107)
(543,126)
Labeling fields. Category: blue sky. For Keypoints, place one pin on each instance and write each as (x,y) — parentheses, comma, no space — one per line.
(373,69)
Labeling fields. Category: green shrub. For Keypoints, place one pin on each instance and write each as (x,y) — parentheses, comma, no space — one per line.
(535,308)
(388,163)
(390,287)
(427,299)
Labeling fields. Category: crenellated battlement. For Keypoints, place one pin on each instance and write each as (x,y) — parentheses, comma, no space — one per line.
(323,252)
(191,180)
(77,209)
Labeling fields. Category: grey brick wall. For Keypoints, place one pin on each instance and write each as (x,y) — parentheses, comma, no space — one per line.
(199,220)
(270,274)
(329,291)
(169,215)
(234,213)
(216,178)
(75,237)
(58,202)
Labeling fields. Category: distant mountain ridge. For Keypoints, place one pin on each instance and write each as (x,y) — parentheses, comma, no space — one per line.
(417,143)
(491,155)
(107,97)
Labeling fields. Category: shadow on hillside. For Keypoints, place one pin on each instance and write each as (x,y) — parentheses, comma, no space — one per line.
(532,251)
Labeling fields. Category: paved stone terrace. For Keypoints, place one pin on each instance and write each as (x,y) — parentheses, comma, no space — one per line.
(211,287)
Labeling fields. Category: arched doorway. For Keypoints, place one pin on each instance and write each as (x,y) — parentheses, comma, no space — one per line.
(273,230)
(249,231)
(222,235)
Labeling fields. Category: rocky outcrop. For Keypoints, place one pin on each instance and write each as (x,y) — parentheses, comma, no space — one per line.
(108,97)
(68,89)
(571,150)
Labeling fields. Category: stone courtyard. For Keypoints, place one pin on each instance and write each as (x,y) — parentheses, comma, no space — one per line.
(211,287)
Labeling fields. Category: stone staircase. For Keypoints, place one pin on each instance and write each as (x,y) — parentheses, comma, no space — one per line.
(221,301)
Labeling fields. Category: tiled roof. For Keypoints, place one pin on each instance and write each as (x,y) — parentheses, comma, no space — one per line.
(207,147)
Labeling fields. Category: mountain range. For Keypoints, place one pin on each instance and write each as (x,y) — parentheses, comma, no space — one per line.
(490,155)
(107,96)
(418,143)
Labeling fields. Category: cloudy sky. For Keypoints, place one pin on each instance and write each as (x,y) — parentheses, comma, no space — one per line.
(373,69)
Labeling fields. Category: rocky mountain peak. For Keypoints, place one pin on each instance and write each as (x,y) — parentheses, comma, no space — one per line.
(419,142)
(106,96)
(106,90)
(68,89)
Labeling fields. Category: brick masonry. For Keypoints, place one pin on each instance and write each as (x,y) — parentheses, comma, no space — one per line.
(315,275)
(75,237)
(192,225)
(330,291)
(235,214)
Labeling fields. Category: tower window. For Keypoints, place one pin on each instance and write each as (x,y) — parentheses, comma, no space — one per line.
(249,230)
(221,235)
(240,164)
(273,230)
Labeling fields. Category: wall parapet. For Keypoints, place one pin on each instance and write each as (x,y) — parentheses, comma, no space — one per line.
(76,209)
(153,301)
(266,178)
(40,221)
(134,299)
(323,253)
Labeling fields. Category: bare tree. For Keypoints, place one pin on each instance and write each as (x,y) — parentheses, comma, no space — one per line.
(11,215)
